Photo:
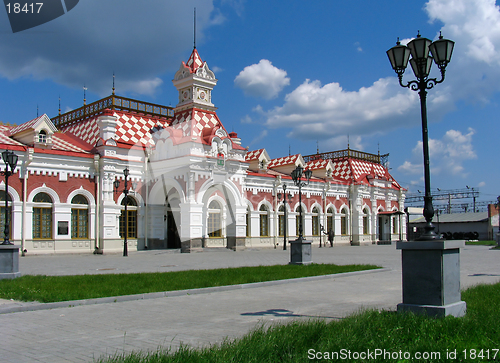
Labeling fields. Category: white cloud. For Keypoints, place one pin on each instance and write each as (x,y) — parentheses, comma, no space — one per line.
(314,110)
(87,44)
(262,80)
(246,120)
(259,137)
(446,155)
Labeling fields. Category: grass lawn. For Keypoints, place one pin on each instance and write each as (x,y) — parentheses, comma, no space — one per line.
(65,288)
(369,336)
(482,243)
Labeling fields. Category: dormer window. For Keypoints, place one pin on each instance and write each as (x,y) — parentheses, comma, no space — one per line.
(42,137)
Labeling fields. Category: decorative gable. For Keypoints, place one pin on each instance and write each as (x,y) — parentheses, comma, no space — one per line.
(37,132)
(287,164)
(258,159)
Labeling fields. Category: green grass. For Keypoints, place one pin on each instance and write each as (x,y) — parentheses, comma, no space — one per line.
(481,243)
(65,288)
(366,331)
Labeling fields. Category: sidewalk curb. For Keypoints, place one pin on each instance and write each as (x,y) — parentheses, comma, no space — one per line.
(16,307)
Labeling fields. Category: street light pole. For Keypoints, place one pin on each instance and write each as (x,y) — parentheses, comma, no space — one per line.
(125,192)
(284,216)
(498,207)
(10,159)
(421,63)
(297,180)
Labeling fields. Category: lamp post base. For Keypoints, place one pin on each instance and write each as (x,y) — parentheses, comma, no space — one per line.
(300,252)
(9,262)
(456,309)
(431,277)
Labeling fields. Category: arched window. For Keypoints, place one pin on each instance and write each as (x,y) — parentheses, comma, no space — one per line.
(343,221)
(79,217)
(297,220)
(42,216)
(264,221)
(281,220)
(366,213)
(2,213)
(214,220)
(315,221)
(131,221)
(329,220)
(42,136)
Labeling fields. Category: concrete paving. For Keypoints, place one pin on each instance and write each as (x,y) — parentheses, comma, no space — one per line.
(87,332)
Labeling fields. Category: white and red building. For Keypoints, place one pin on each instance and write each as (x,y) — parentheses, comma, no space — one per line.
(191,183)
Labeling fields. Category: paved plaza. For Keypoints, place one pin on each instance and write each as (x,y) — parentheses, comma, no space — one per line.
(44,333)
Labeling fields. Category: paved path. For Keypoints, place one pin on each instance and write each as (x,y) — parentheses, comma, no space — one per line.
(82,333)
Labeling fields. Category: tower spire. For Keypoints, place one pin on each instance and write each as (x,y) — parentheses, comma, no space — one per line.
(194,28)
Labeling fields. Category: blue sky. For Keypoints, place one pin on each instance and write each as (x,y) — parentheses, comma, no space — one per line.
(295,74)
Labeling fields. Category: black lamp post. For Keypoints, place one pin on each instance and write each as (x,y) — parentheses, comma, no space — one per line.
(125,191)
(285,194)
(498,207)
(297,175)
(421,63)
(10,159)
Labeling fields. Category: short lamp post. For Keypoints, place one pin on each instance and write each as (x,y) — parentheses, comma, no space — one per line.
(300,250)
(421,62)
(431,265)
(125,192)
(285,195)
(10,159)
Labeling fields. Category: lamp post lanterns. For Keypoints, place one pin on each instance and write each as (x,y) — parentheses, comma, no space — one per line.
(300,250)
(285,195)
(125,192)
(421,62)
(10,159)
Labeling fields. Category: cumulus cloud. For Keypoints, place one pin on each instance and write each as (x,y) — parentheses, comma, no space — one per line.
(262,80)
(313,109)
(446,155)
(98,37)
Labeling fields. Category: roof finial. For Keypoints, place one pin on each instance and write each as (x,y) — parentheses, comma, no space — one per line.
(84,95)
(317,146)
(348,142)
(59,105)
(37,110)
(194,28)
(113,83)
(289,150)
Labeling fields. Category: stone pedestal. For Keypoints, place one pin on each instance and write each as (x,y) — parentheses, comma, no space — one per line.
(9,262)
(431,277)
(300,252)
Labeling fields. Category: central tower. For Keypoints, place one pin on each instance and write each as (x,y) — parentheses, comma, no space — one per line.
(194,82)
